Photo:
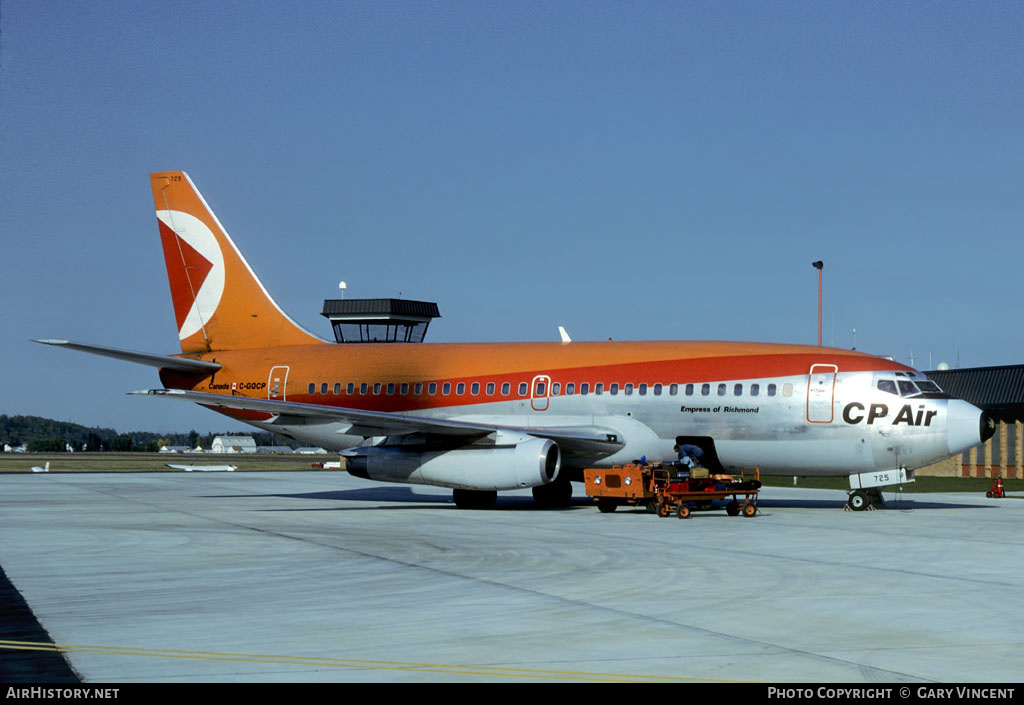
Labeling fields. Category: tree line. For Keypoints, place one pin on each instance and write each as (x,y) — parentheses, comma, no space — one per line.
(42,435)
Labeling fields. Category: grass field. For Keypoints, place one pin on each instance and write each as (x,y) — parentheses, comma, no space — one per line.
(154,462)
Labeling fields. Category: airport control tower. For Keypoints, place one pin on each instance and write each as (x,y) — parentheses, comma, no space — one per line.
(379,320)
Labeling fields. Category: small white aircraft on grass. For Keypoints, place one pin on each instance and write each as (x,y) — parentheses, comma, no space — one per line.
(203,468)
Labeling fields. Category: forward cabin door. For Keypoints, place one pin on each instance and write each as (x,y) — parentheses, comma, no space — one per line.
(821,393)
(276,383)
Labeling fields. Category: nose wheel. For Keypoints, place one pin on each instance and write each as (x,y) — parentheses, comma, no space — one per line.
(861,500)
(858,501)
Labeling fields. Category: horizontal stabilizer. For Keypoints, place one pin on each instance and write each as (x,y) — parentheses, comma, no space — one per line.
(167,362)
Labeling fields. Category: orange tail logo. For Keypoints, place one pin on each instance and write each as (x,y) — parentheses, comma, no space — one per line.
(219,303)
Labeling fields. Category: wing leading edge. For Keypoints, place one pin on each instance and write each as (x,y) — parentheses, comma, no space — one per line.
(382,423)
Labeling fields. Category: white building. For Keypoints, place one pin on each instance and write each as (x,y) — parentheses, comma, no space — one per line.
(233,444)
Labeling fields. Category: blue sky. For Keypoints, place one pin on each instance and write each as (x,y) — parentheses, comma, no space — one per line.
(635,170)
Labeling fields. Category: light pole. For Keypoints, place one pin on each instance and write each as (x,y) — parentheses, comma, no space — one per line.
(819,265)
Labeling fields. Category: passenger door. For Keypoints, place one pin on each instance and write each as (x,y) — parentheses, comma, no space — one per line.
(821,391)
(276,383)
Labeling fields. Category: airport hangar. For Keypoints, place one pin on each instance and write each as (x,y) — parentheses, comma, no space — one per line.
(999,391)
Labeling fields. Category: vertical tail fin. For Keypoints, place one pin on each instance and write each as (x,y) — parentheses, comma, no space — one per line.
(219,303)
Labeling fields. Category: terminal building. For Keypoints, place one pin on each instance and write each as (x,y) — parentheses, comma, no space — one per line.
(999,391)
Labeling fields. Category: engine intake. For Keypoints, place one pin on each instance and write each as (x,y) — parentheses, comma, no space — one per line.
(526,464)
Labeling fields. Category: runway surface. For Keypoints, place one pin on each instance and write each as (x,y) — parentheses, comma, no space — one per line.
(319,576)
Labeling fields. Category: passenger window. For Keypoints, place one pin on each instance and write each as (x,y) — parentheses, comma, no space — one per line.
(418,389)
(673,390)
(570,389)
(556,387)
(474,388)
(404,389)
(642,390)
(737,391)
(523,388)
(887,385)
(506,388)
(490,389)
(689,390)
(446,388)
(771,390)
(721,390)
(376,387)
(585,388)
(787,390)
(539,389)
(755,389)
(390,388)
(629,389)
(460,388)
(350,388)
(312,387)
(599,388)
(705,389)
(432,388)
(614,389)
(657,390)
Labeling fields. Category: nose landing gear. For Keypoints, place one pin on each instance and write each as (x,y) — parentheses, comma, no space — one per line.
(866,488)
(864,500)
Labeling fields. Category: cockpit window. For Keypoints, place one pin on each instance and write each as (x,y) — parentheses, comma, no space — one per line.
(908,389)
(887,385)
(928,386)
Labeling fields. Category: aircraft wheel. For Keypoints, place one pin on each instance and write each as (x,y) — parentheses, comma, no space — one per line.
(749,509)
(858,501)
(683,512)
(607,505)
(474,499)
(732,508)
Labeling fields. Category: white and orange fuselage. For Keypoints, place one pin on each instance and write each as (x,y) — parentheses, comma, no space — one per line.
(441,413)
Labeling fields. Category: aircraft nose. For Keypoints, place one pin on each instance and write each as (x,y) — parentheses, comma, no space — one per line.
(967,426)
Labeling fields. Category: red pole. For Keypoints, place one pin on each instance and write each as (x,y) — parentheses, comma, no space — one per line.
(819,307)
(819,265)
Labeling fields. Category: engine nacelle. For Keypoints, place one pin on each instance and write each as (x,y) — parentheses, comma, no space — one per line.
(527,464)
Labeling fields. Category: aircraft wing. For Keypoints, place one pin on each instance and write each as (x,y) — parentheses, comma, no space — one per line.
(383,423)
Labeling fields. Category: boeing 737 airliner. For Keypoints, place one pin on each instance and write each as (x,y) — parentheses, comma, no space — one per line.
(480,418)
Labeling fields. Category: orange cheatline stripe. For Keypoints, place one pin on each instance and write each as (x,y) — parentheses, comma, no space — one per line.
(634,363)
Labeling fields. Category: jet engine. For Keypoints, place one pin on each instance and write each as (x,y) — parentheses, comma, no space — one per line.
(528,463)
